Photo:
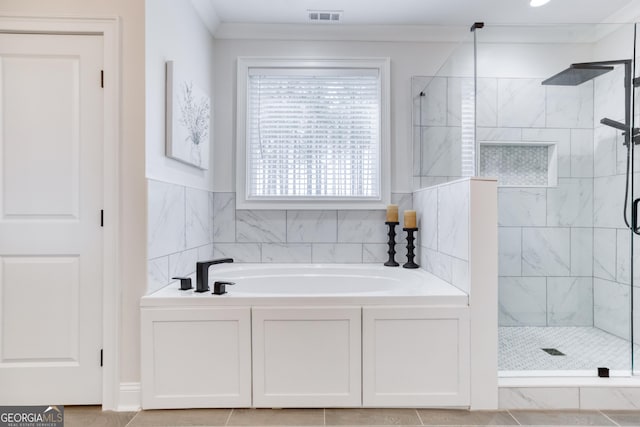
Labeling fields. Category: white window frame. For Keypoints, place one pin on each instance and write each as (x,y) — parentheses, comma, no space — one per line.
(382,65)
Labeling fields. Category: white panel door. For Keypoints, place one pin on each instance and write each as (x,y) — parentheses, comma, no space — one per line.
(196,358)
(415,356)
(306,357)
(51,127)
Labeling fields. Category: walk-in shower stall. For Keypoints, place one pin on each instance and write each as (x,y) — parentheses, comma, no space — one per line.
(549,111)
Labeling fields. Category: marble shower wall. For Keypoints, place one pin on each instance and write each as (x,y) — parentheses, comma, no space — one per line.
(545,234)
(611,242)
(186,225)
(437,130)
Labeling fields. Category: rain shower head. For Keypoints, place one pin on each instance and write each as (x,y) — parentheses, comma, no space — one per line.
(614,124)
(577,74)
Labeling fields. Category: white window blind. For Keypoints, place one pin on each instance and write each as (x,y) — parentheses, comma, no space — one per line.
(313,134)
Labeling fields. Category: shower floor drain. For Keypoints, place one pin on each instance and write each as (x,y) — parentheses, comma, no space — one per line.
(553,351)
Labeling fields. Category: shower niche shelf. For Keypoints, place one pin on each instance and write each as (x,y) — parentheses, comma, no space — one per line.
(519,163)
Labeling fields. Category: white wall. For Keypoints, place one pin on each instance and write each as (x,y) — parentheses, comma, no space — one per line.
(407,59)
(174,32)
(528,60)
(179,217)
(132,249)
(617,44)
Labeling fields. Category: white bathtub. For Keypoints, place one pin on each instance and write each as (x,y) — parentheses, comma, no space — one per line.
(333,283)
(301,336)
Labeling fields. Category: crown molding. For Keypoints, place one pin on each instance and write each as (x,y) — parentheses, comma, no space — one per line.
(628,14)
(207,14)
(341,32)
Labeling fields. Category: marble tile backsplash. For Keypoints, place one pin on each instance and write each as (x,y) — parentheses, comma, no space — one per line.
(179,228)
(186,225)
(304,236)
(198,217)
(166,224)
(224,217)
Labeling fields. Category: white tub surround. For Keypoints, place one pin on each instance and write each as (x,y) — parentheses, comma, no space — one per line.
(400,369)
(294,335)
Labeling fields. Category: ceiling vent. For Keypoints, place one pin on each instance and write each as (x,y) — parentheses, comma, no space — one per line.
(325,16)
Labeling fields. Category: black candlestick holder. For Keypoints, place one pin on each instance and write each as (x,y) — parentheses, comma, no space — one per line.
(410,247)
(392,244)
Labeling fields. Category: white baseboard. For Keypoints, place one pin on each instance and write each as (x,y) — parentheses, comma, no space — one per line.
(129,399)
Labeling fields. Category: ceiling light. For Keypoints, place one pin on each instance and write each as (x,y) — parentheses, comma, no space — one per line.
(538,3)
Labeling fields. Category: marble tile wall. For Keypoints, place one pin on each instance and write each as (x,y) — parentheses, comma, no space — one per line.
(507,110)
(443,239)
(546,233)
(564,249)
(186,225)
(303,236)
(436,129)
(546,238)
(179,230)
(611,259)
(564,252)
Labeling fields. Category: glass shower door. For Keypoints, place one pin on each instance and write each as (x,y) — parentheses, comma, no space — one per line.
(633,200)
(551,116)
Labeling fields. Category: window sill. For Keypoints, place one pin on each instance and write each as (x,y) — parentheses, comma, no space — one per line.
(311,204)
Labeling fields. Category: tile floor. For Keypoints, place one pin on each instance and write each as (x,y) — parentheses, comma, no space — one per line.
(92,416)
(585,348)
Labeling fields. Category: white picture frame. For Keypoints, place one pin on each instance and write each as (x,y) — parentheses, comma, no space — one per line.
(188,117)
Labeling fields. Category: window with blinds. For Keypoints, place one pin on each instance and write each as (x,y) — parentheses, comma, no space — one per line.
(313,133)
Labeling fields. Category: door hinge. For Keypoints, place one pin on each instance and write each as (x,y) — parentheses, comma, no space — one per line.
(102,78)
(101,357)
(101,217)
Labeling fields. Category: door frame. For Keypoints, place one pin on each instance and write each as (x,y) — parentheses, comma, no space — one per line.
(109,29)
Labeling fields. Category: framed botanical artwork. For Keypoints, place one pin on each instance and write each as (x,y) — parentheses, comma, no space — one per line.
(188,113)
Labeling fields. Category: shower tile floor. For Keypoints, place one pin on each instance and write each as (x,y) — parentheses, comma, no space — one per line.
(585,348)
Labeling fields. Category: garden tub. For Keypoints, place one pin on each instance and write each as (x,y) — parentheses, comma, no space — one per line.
(294,335)
(326,283)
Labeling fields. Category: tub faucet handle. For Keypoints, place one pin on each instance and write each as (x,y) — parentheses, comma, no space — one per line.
(219,287)
(185,283)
